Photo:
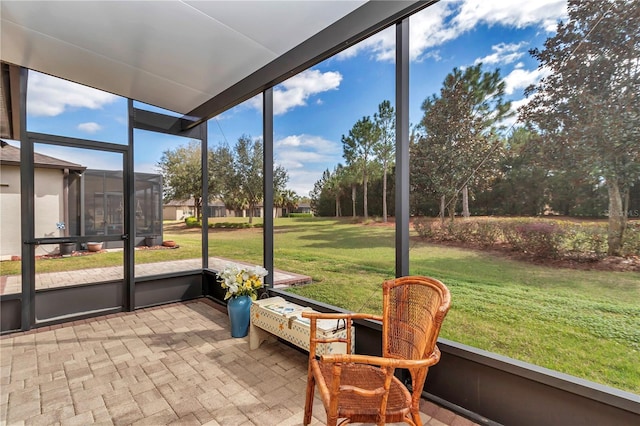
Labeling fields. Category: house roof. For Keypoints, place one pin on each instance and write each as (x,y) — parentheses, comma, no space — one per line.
(10,155)
(196,58)
(180,203)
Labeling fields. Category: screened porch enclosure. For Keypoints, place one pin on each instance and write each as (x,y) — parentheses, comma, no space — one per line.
(95,203)
(123,207)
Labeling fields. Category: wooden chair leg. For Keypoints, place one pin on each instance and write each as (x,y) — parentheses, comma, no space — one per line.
(417,421)
(308,404)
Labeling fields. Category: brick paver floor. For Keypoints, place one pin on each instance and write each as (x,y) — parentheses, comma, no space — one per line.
(174,364)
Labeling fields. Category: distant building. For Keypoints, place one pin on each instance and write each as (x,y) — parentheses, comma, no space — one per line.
(303,207)
(179,209)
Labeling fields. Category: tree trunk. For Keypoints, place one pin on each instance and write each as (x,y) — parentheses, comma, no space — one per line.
(197,203)
(465,202)
(452,207)
(250,213)
(384,194)
(442,207)
(616,218)
(353,199)
(625,208)
(337,206)
(365,196)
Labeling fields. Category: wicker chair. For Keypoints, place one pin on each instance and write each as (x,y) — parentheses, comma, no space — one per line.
(360,388)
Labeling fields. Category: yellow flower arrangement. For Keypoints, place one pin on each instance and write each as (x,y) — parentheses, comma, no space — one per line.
(241,280)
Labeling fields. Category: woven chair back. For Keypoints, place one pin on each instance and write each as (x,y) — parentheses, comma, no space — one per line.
(413,311)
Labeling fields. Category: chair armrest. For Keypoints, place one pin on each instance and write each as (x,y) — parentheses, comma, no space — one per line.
(383,362)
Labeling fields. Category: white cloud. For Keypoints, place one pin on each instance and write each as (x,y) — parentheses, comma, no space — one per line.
(518,14)
(447,20)
(427,30)
(90,127)
(298,89)
(503,53)
(51,96)
(520,78)
(305,157)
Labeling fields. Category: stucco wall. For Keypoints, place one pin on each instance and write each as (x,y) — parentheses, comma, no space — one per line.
(48,209)
(173,213)
(9,212)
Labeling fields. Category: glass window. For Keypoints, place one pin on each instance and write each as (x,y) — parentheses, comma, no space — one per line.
(510,192)
(78,193)
(168,205)
(10,218)
(335,139)
(60,107)
(236,180)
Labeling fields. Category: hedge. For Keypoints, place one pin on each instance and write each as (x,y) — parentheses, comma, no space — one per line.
(534,237)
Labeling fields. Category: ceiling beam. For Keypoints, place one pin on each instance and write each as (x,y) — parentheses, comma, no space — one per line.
(363,22)
(9,101)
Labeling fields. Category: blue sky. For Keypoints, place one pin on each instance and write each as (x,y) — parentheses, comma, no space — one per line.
(315,108)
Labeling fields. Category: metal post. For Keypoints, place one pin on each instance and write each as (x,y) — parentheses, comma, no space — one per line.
(267,136)
(27,207)
(402,148)
(129,216)
(202,128)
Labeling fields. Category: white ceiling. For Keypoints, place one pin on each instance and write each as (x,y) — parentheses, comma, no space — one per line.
(172,54)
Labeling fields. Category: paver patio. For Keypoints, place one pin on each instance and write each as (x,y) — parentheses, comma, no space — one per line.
(13,283)
(173,364)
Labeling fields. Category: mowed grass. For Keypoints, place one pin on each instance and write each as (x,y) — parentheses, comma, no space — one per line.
(583,323)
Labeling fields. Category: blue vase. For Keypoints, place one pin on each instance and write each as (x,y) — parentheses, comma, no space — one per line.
(239,310)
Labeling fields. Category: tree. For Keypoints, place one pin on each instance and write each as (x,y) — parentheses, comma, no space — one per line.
(330,191)
(521,187)
(588,108)
(320,199)
(348,179)
(458,143)
(335,185)
(358,149)
(246,182)
(385,149)
(181,169)
(221,170)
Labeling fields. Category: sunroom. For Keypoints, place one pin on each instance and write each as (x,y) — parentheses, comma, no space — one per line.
(174,79)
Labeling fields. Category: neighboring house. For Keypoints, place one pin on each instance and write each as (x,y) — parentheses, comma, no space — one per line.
(179,209)
(303,207)
(53,180)
(217,208)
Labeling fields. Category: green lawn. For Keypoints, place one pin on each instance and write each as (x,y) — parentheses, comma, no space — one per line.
(584,323)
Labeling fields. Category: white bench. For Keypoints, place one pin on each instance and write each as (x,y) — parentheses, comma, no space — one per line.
(275,317)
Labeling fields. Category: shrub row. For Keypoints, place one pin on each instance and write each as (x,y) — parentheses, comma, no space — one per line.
(537,238)
(234,225)
(192,222)
(300,215)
